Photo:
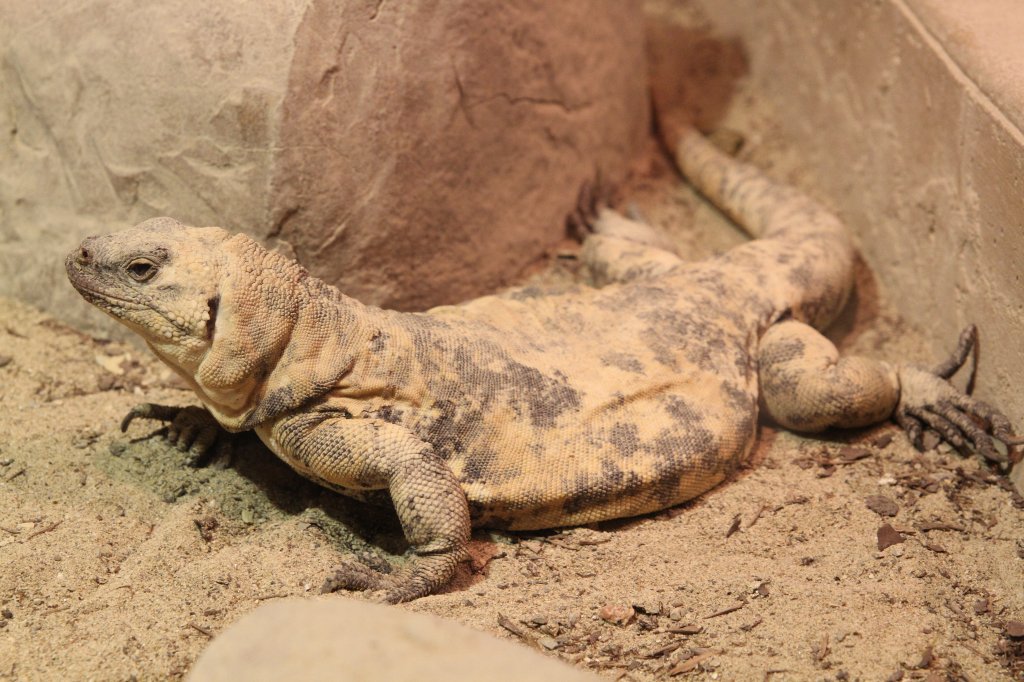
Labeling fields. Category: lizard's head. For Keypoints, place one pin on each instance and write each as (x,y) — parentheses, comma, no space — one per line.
(159,278)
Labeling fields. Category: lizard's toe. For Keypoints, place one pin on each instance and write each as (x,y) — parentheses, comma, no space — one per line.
(353,575)
(191,429)
(163,413)
(928,401)
(194,431)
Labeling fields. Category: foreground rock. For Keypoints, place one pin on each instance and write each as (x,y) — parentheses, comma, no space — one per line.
(345,639)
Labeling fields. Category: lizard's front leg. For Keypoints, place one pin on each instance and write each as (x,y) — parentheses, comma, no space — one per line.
(370,454)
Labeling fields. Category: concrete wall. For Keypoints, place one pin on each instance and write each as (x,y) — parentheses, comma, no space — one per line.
(910,114)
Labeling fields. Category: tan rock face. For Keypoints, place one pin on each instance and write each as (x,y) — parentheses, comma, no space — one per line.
(414,153)
(113,111)
(430,150)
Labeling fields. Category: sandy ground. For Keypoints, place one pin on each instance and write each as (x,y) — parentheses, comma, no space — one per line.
(118,562)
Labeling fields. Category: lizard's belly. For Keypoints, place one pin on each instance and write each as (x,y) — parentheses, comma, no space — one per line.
(624,459)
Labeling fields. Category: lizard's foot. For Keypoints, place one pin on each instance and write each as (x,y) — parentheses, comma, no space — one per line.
(192,429)
(929,402)
(425,574)
(593,216)
(355,575)
(383,585)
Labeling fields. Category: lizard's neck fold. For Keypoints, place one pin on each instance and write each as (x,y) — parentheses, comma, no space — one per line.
(282,339)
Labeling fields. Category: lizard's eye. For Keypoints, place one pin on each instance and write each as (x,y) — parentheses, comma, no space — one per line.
(141,269)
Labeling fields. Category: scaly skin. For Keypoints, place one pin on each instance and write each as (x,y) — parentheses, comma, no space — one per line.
(524,410)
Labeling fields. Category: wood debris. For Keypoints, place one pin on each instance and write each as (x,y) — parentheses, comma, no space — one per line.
(728,609)
(888,536)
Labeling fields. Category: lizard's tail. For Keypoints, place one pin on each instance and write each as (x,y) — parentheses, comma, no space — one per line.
(762,207)
(803,254)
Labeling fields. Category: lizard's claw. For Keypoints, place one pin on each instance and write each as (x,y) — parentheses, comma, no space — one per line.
(929,402)
(353,575)
(358,576)
(192,429)
(580,222)
(966,345)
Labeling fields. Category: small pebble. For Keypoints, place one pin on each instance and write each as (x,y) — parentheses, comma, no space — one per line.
(616,614)
(881,505)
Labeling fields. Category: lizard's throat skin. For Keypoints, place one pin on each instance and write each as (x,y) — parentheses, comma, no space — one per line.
(270,333)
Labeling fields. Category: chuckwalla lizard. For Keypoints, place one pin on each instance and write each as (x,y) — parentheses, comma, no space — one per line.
(525,410)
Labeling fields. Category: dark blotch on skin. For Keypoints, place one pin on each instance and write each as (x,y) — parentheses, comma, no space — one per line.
(800,276)
(611,483)
(625,439)
(390,414)
(274,404)
(680,410)
(623,361)
(484,466)
(525,389)
(450,431)
(475,470)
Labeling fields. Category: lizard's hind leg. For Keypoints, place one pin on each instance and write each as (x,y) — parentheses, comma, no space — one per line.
(805,385)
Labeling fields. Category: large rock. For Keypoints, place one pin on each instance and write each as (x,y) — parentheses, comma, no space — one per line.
(342,639)
(413,153)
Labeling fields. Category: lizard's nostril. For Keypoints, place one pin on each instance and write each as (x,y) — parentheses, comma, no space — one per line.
(84,257)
